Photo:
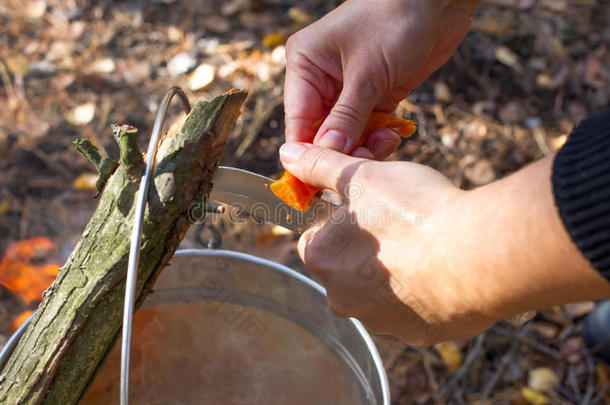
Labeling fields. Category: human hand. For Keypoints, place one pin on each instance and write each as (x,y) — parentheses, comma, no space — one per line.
(411,255)
(362,56)
(376,254)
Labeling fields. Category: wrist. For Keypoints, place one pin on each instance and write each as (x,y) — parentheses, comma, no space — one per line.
(448,255)
(515,250)
(484,260)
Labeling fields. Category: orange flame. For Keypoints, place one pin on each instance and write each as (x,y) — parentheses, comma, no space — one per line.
(20,272)
(20,319)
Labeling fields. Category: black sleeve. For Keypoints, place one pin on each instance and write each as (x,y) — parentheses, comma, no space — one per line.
(581,186)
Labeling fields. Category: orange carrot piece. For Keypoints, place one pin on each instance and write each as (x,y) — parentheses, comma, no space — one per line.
(298,195)
(293,191)
(377,120)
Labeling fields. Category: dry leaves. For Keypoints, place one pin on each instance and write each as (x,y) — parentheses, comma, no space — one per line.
(273,40)
(520,81)
(533,397)
(451,354)
(86,181)
(82,114)
(542,379)
(201,77)
(508,57)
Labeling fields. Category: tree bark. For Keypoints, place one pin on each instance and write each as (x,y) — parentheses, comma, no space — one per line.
(80,316)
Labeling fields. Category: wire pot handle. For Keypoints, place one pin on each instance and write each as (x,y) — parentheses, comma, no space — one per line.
(136,235)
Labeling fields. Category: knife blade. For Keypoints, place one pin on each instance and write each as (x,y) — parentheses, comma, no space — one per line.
(250,192)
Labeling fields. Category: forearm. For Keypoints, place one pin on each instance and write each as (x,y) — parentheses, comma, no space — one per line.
(510,237)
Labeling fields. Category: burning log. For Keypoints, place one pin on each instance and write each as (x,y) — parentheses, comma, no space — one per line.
(80,316)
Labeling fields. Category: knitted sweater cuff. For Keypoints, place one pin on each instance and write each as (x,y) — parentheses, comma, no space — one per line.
(581,186)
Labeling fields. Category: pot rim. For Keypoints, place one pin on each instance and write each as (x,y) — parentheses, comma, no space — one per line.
(364,335)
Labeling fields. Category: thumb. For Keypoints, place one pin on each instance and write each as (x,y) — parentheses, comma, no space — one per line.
(343,127)
(318,166)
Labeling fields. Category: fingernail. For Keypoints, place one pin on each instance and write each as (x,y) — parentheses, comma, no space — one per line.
(334,140)
(362,152)
(384,146)
(291,152)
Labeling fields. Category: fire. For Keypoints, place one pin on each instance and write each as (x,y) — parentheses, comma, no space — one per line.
(20,319)
(23,271)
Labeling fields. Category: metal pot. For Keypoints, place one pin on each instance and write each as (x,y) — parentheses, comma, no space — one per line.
(230,328)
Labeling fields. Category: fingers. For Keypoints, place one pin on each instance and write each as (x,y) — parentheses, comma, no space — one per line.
(342,128)
(318,166)
(362,153)
(382,143)
(379,145)
(302,104)
(304,241)
(312,248)
(309,81)
(344,260)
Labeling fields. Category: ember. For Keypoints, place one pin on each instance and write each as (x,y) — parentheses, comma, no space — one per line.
(24,273)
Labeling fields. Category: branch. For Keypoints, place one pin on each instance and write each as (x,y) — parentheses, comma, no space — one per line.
(80,316)
(105,166)
(130,157)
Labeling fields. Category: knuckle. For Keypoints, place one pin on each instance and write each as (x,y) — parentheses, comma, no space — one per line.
(292,44)
(346,113)
(297,52)
(313,257)
(308,249)
(313,262)
(303,245)
(314,160)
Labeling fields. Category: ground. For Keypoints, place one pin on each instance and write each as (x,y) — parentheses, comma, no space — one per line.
(527,72)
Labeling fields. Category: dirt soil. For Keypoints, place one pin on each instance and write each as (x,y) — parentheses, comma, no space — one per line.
(526,73)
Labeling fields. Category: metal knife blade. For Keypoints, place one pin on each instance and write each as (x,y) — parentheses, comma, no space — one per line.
(249,192)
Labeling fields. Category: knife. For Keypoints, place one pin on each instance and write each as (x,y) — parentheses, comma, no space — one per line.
(250,192)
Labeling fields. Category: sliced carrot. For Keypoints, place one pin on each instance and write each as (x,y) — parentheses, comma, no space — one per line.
(298,195)
(293,191)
